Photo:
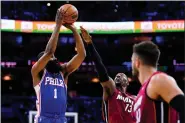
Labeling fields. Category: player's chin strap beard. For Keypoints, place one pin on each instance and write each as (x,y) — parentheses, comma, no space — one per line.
(53,66)
(120,86)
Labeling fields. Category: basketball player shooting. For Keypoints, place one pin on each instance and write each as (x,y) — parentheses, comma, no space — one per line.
(159,100)
(117,104)
(51,89)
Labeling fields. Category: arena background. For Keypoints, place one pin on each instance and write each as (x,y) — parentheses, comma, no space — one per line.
(20,45)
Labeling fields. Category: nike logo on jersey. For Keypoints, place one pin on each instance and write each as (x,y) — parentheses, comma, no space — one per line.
(54,81)
(125,99)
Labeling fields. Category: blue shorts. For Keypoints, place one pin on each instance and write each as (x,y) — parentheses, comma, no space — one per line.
(43,119)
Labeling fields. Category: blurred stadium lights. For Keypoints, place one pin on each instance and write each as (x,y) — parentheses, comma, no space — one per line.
(63,40)
(116,41)
(159,39)
(71,40)
(95,80)
(19,40)
(143,38)
(29,62)
(175,63)
(7,64)
(48,4)
(10,87)
(7,77)
(128,64)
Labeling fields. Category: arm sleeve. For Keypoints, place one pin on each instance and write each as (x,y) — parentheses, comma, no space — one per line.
(102,72)
(178,103)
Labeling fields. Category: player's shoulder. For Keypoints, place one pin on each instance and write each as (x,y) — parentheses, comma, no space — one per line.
(63,65)
(117,91)
(161,79)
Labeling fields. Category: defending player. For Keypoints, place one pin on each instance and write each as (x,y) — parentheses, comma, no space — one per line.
(117,104)
(159,97)
(51,89)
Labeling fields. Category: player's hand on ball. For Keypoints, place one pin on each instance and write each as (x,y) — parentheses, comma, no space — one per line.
(70,26)
(59,19)
(87,38)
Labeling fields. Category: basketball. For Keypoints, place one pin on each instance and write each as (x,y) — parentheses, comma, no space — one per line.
(69,12)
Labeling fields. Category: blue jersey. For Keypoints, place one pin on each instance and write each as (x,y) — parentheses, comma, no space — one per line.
(52,95)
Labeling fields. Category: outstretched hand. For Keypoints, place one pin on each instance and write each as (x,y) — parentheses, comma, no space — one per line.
(87,38)
(59,18)
(70,26)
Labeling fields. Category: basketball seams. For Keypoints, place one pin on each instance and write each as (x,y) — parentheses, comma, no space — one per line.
(67,9)
(70,13)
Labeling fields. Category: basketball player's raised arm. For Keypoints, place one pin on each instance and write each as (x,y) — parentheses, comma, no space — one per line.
(77,60)
(107,83)
(49,51)
(168,90)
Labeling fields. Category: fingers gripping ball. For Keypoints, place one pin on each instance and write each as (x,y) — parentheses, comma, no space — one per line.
(69,12)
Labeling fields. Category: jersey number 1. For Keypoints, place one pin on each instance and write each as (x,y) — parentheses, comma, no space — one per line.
(55,93)
(138,110)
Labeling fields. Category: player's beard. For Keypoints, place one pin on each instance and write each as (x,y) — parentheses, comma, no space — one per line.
(120,87)
(135,72)
(119,83)
(53,66)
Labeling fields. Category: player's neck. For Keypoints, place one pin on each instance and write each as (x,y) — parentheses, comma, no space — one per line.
(123,89)
(145,73)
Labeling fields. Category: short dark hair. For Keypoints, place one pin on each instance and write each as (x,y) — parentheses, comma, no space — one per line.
(148,52)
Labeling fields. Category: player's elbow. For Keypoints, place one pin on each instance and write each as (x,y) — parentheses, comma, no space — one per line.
(81,51)
(82,54)
(33,70)
(49,52)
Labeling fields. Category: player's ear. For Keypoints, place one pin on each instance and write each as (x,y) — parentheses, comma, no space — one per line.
(138,62)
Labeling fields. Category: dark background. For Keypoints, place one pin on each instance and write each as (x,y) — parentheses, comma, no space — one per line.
(18,96)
